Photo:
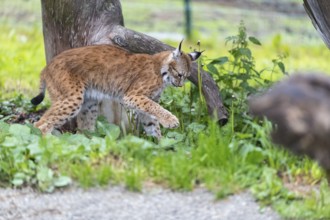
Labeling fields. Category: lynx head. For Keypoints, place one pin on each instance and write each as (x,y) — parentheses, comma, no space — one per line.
(177,67)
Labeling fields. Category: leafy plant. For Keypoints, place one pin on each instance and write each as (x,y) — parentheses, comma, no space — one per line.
(28,158)
(237,74)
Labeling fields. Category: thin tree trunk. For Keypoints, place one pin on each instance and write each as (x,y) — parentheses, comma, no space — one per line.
(319,13)
(75,23)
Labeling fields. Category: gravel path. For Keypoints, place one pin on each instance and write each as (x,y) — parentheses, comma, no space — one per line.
(119,204)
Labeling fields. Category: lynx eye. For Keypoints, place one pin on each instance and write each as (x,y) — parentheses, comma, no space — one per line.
(178,73)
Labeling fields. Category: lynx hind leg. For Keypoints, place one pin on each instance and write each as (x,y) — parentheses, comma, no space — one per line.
(150,125)
(115,113)
(58,114)
(87,116)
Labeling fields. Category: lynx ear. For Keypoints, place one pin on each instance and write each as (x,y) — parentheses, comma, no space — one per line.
(194,55)
(177,52)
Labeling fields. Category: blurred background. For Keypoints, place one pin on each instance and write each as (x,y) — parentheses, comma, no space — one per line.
(282,26)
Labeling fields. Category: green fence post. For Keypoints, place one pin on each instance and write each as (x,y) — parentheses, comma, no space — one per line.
(187,11)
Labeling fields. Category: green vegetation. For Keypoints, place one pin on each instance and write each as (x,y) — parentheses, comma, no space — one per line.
(227,160)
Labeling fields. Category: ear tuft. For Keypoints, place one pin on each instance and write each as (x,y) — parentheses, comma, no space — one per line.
(194,55)
(177,52)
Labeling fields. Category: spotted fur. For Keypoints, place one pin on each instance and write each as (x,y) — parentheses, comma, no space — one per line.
(79,78)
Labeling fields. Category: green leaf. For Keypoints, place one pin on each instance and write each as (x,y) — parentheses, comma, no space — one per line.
(4,127)
(18,179)
(44,174)
(252,153)
(241,135)
(167,142)
(62,181)
(136,142)
(107,129)
(34,148)
(282,67)
(34,130)
(245,52)
(19,130)
(11,141)
(45,178)
(17,182)
(175,135)
(196,127)
(76,139)
(220,60)
(212,69)
(255,41)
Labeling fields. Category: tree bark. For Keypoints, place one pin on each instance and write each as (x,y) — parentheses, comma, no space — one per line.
(76,23)
(319,13)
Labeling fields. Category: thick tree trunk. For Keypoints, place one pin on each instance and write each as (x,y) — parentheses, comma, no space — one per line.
(75,23)
(319,12)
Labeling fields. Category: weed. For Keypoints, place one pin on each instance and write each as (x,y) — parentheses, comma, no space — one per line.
(238,76)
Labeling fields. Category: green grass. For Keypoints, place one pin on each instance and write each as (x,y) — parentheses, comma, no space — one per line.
(225,160)
(22,58)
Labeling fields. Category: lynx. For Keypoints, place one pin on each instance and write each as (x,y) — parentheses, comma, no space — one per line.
(77,79)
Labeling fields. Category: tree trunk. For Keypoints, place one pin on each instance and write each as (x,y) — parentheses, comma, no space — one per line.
(319,13)
(76,23)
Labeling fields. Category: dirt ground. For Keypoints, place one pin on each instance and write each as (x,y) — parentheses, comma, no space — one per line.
(119,204)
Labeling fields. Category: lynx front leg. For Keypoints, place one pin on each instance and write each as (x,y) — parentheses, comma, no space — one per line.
(145,105)
(87,116)
(150,125)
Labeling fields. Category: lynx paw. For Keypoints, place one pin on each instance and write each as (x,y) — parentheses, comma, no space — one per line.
(43,127)
(170,122)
